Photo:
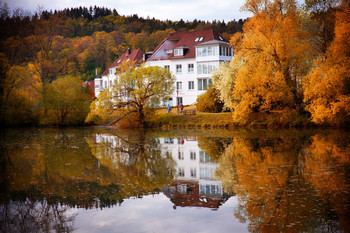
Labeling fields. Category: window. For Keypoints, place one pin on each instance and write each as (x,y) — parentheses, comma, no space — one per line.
(204,51)
(193,172)
(193,155)
(110,71)
(167,68)
(178,85)
(178,68)
(179,100)
(199,69)
(190,68)
(178,52)
(206,68)
(204,157)
(110,83)
(181,171)
(207,51)
(225,51)
(220,38)
(181,155)
(182,188)
(202,84)
(210,51)
(105,84)
(190,85)
(199,39)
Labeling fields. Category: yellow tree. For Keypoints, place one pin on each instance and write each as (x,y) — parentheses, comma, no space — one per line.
(136,90)
(67,101)
(271,56)
(327,87)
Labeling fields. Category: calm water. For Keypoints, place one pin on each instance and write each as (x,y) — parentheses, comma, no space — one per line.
(102,180)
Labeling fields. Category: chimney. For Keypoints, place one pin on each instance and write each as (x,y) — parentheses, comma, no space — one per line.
(129,51)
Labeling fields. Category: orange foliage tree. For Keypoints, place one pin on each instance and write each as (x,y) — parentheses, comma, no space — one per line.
(271,56)
(327,87)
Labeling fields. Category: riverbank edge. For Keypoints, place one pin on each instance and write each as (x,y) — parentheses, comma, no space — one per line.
(225,121)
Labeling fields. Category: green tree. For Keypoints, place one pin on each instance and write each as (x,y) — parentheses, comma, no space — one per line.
(68,101)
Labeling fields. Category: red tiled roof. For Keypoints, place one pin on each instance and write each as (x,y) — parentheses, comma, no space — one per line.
(135,55)
(184,39)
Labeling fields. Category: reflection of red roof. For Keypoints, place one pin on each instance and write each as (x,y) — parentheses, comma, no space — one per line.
(192,197)
(135,55)
(184,40)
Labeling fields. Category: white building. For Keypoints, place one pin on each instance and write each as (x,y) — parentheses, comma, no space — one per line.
(191,57)
(108,77)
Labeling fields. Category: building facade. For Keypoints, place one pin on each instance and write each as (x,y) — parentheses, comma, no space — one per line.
(109,76)
(191,57)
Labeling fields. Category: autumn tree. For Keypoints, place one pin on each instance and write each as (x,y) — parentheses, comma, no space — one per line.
(68,101)
(327,87)
(271,56)
(138,89)
(209,101)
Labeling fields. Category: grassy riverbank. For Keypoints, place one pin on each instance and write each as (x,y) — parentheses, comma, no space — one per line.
(203,120)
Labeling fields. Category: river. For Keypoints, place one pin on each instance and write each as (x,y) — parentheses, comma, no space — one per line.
(110,180)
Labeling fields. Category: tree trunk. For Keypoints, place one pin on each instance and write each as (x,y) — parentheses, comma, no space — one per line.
(142,117)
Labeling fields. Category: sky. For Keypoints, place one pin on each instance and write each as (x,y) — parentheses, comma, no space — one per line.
(160,9)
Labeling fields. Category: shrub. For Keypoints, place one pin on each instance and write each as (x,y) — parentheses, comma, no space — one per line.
(209,101)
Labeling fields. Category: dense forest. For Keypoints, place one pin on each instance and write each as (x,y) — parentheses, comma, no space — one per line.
(91,37)
(38,50)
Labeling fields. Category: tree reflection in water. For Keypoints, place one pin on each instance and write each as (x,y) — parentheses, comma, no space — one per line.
(285,185)
(35,216)
(285,181)
(44,174)
(135,159)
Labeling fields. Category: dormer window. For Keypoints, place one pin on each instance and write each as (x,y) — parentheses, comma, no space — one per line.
(199,39)
(178,52)
(110,71)
(220,38)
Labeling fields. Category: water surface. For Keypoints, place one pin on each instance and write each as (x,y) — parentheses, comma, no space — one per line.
(104,180)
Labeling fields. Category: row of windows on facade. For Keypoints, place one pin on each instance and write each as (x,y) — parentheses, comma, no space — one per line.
(202,84)
(213,51)
(204,172)
(100,85)
(207,51)
(203,156)
(202,68)
(203,189)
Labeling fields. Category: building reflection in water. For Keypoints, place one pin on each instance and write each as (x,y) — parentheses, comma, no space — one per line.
(194,184)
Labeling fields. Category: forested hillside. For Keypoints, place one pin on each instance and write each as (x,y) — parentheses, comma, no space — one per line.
(39,52)
(89,38)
